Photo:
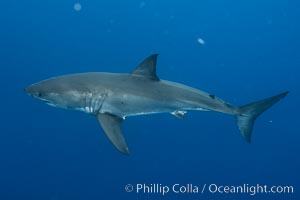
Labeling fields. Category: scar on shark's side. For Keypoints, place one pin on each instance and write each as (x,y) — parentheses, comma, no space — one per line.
(112,97)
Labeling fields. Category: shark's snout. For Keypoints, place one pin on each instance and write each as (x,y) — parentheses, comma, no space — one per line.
(26,90)
(32,91)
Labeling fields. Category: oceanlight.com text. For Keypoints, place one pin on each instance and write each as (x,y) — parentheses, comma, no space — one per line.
(165,189)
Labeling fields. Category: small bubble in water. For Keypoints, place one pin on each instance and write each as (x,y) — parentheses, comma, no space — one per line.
(77,6)
(142,4)
(200,41)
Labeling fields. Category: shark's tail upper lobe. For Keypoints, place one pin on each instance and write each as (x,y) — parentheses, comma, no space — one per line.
(248,113)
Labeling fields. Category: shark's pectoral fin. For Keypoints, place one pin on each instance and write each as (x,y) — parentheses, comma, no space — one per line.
(111,126)
(179,114)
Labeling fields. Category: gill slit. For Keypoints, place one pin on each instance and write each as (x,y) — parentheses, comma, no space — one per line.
(102,102)
(92,104)
(87,102)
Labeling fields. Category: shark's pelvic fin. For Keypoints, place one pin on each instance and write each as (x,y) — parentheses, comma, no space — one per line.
(111,126)
(248,113)
(147,68)
(179,114)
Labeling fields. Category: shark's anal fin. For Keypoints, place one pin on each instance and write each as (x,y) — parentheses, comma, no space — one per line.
(111,126)
(147,68)
(179,114)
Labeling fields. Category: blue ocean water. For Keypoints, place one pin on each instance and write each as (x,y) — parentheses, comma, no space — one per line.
(241,51)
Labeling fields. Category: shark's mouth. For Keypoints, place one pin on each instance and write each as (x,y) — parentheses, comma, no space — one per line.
(51,104)
(46,101)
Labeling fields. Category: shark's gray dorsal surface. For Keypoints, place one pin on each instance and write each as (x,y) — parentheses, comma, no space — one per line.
(112,97)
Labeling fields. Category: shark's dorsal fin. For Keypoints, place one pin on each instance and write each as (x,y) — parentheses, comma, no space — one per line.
(147,68)
(111,126)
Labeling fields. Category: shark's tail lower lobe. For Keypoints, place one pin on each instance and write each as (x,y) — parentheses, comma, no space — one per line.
(248,113)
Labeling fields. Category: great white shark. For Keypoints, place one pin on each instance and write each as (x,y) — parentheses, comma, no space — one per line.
(112,97)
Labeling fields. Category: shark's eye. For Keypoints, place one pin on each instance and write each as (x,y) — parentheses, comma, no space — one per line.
(39,94)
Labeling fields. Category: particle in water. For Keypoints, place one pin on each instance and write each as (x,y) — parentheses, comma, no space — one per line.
(77,6)
(142,4)
(200,41)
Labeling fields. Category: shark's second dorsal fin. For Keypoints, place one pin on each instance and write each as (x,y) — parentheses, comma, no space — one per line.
(147,68)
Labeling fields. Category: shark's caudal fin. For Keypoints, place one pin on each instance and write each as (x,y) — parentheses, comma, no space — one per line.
(248,113)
